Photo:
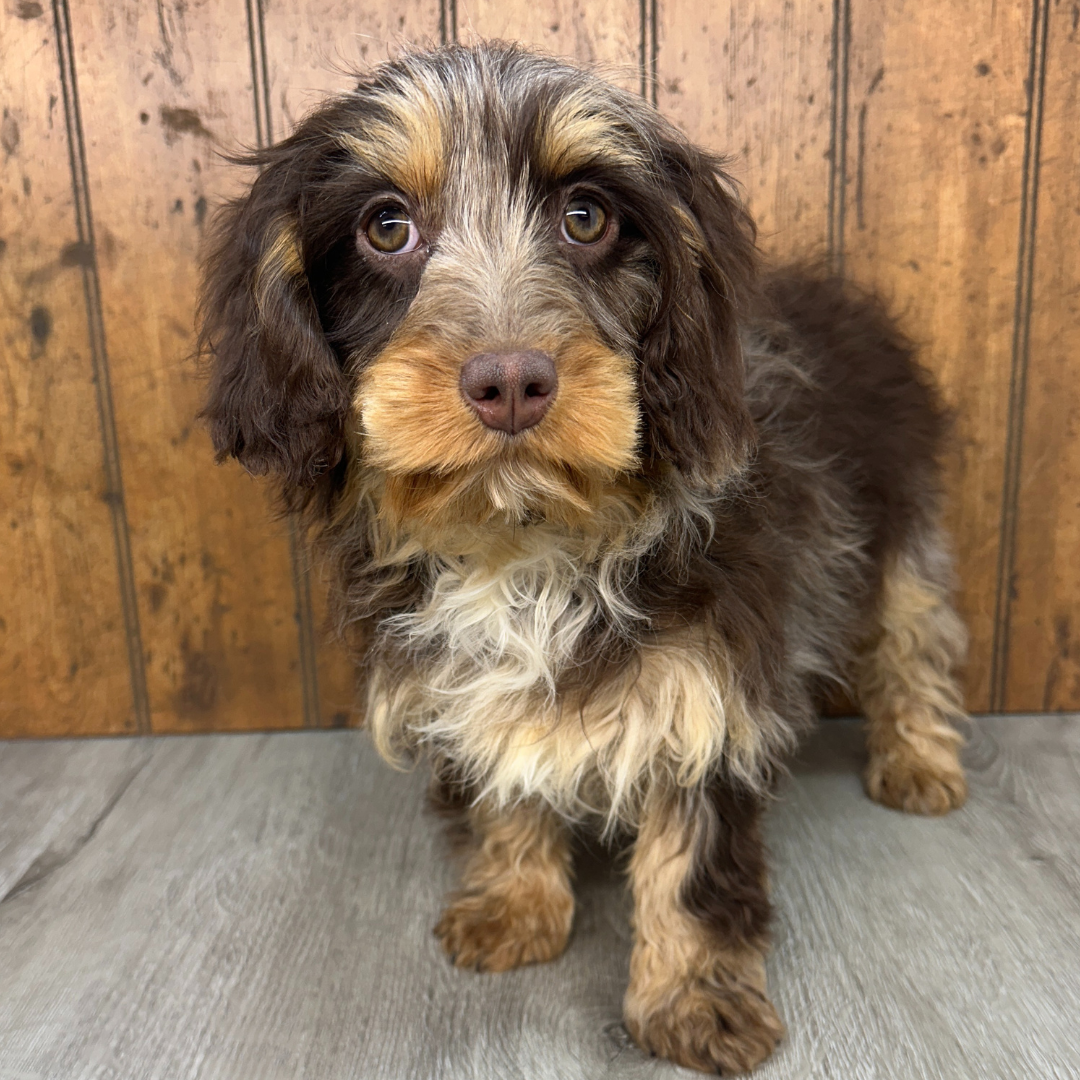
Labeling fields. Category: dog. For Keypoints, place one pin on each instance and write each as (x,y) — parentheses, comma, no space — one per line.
(609,505)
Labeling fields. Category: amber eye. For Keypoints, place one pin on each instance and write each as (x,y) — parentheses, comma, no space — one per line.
(391,231)
(584,221)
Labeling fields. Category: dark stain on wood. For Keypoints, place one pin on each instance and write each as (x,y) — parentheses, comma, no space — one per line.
(41,324)
(199,684)
(1063,654)
(77,253)
(177,122)
(9,133)
(156,594)
(28,9)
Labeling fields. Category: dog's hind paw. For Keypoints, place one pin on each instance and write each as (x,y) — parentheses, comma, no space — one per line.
(931,784)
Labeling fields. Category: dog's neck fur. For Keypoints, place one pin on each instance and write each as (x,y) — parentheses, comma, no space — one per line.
(474,668)
(522,602)
(525,594)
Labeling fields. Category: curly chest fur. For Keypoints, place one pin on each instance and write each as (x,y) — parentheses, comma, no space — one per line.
(473,675)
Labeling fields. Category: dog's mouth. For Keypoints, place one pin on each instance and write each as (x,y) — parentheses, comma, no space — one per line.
(514,492)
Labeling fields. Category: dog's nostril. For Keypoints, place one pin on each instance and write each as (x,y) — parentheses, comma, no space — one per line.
(509,391)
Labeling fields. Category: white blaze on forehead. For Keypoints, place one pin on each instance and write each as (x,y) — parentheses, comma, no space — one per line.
(494,260)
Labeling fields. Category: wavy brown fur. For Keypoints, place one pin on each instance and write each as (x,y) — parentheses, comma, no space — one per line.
(623,616)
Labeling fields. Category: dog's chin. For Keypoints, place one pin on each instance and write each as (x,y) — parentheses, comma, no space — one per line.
(507,494)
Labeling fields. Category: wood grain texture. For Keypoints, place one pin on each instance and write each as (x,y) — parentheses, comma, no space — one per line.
(53,802)
(262,906)
(897,134)
(604,35)
(751,80)
(216,602)
(1044,620)
(935,146)
(63,652)
(315,47)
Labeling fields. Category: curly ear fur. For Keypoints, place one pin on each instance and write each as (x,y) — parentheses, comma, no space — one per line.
(278,399)
(691,359)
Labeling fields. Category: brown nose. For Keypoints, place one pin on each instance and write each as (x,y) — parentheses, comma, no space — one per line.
(510,391)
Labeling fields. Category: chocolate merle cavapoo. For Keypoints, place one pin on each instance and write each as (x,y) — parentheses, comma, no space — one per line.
(607,505)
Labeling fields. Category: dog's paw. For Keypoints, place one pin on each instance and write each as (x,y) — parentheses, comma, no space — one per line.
(497,931)
(918,783)
(711,1026)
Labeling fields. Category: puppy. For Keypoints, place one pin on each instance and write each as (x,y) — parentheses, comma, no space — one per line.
(608,507)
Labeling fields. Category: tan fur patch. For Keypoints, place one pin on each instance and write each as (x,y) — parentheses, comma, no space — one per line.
(575,132)
(910,697)
(280,260)
(516,905)
(689,1001)
(409,149)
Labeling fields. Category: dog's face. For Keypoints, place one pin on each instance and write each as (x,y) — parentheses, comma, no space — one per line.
(492,285)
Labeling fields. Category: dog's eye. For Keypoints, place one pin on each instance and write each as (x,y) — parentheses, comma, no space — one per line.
(584,221)
(391,231)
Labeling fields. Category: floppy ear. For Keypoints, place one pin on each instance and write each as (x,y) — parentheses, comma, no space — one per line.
(691,363)
(278,399)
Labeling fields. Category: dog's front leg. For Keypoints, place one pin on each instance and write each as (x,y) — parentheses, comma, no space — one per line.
(516,905)
(701,909)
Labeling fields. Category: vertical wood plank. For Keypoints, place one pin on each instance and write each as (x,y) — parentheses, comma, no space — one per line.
(887,133)
(164,86)
(935,135)
(605,34)
(305,50)
(1043,664)
(315,47)
(63,648)
(752,80)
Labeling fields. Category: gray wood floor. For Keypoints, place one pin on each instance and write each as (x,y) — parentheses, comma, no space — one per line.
(249,907)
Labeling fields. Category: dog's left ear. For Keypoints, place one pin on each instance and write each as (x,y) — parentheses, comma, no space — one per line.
(691,361)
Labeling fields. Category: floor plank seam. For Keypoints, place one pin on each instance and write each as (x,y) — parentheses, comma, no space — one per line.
(48,863)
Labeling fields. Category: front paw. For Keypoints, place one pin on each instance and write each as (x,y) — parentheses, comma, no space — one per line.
(498,930)
(930,783)
(707,1024)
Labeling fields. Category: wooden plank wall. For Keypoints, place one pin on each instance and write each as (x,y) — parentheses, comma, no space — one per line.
(931,150)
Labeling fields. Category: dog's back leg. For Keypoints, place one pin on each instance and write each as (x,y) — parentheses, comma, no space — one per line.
(907,687)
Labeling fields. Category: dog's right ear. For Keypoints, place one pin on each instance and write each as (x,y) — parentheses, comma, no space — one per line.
(278,399)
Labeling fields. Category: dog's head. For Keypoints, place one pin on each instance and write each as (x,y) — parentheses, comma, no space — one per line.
(491,281)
